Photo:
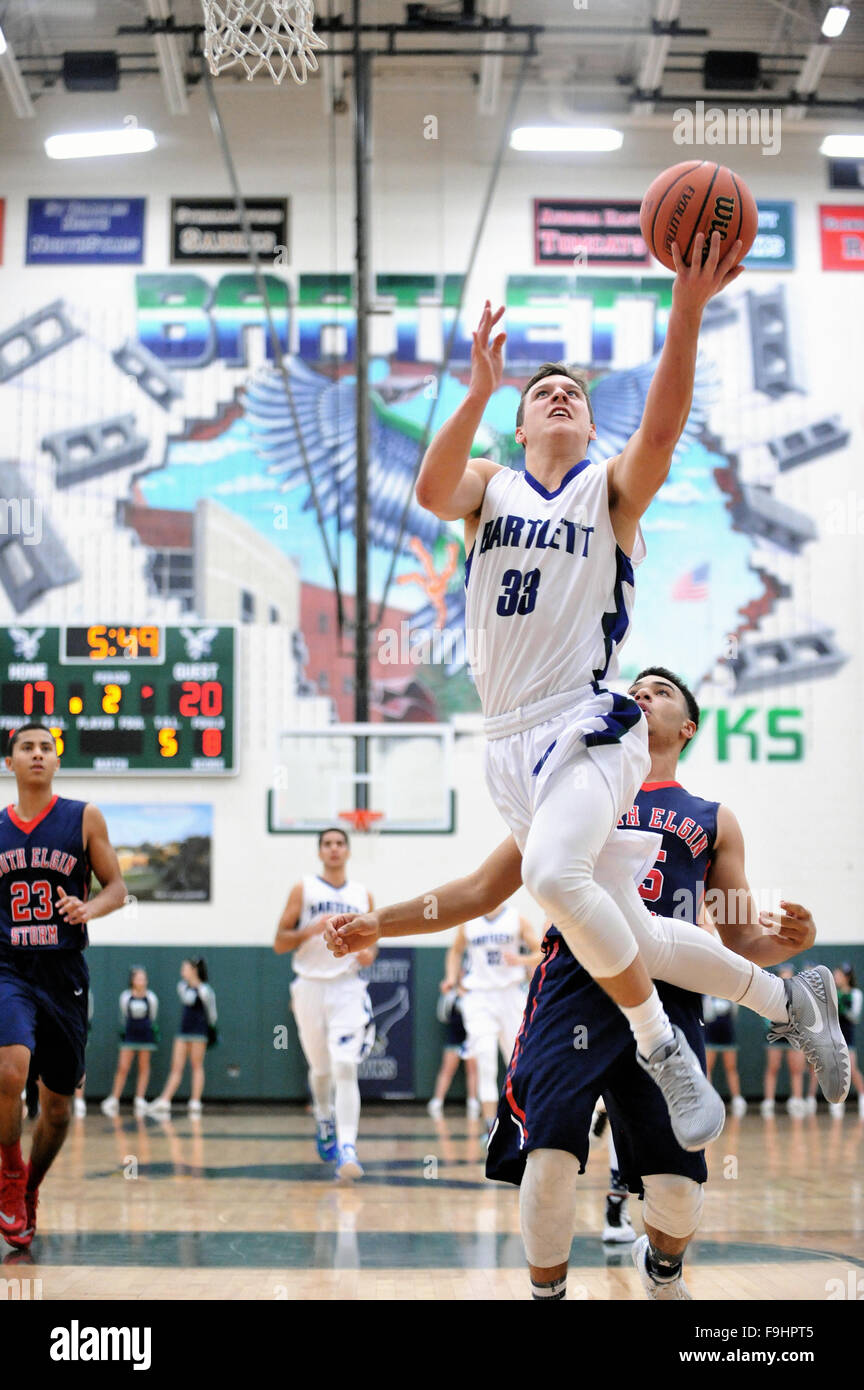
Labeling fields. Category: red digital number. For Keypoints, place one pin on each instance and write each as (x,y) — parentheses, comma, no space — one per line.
(211,743)
(211,698)
(200,699)
(46,689)
(190,700)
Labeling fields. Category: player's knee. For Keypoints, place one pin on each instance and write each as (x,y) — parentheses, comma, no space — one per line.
(55,1110)
(13,1076)
(343,1070)
(547,1203)
(544,877)
(673,1204)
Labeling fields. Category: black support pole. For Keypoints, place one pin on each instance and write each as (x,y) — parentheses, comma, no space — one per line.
(362,166)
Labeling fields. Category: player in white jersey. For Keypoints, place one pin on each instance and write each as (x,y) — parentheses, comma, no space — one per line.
(550,580)
(330,1002)
(494,983)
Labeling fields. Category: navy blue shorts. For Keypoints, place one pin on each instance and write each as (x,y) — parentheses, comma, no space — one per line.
(43,1006)
(720,1032)
(575,1045)
(847,1028)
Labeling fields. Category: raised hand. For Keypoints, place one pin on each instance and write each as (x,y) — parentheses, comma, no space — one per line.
(706,275)
(487,359)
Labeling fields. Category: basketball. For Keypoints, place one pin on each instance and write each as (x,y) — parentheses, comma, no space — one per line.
(696,196)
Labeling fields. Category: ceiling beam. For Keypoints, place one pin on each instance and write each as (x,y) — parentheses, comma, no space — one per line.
(172,67)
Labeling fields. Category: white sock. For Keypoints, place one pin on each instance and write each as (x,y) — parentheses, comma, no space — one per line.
(347,1103)
(687,956)
(766,995)
(649,1024)
(322,1100)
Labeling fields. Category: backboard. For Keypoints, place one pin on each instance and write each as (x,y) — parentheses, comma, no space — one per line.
(402,771)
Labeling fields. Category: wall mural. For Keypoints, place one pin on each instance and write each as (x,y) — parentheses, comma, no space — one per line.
(163,434)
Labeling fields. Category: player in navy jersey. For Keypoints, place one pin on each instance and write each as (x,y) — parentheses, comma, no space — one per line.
(551,554)
(48,847)
(574,1045)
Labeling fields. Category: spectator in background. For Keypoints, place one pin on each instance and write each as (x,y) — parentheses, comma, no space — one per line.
(849,1000)
(719,1016)
(197,1032)
(138,1038)
(455,1050)
(795,1061)
(79,1104)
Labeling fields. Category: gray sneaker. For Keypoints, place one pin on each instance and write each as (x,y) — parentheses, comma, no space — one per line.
(814,1028)
(696,1111)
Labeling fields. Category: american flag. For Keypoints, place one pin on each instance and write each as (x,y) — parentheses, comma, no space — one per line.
(692,587)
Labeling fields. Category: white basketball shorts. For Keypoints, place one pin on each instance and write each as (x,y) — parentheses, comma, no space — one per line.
(495,1013)
(531,747)
(334,1020)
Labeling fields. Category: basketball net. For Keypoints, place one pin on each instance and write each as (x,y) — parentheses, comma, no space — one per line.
(274,34)
(362,819)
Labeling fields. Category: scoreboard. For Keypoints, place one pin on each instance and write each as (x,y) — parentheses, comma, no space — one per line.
(125,697)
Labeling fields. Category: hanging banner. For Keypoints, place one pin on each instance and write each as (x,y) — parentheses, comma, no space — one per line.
(575,232)
(841,230)
(209,229)
(774,247)
(387,1070)
(85,231)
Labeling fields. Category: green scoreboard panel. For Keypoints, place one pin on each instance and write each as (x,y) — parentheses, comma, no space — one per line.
(125,697)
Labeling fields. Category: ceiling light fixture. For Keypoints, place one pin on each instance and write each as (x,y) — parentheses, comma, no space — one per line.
(835,21)
(564,139)
(843,146)
(89,144)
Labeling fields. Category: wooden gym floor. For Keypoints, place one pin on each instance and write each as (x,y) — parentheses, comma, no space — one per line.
(236,1205)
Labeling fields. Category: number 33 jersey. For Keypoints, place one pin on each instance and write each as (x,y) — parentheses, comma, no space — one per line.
(37,858)
(549,590)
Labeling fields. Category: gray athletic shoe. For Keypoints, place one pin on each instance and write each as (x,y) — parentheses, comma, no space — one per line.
(670,1290)
(814,1028)
(696,1111)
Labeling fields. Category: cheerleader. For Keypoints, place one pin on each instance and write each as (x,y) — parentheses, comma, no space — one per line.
(849,1000)
(197,1032)
(138,1038)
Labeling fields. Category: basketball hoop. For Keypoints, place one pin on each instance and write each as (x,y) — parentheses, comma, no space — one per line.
(274,34)
(362,819)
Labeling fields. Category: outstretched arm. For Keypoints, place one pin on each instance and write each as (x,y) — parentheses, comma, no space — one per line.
(741,928)
(476,895)
(641,469)
(451,484)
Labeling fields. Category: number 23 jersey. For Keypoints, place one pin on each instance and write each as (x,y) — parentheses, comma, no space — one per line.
(549,590)
(37,858)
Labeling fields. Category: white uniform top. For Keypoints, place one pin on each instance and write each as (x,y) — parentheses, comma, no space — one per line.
(486,938)
(312,959)
(548,587)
